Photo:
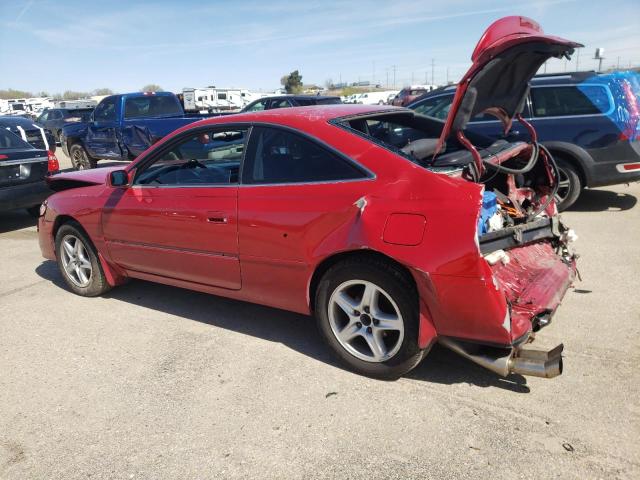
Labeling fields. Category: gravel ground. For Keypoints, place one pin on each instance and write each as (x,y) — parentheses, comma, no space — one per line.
(157,382)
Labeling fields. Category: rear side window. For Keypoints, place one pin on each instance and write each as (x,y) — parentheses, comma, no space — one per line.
(151,106)
(9,141)
(280,156)
(570,100)
(282,103)
(328,101)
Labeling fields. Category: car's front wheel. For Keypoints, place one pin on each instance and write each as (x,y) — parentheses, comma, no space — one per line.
(367,312)
(78,262)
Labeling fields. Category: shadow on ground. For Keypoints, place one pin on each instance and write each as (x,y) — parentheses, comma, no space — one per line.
(603,200)
(16,220)
(296,331)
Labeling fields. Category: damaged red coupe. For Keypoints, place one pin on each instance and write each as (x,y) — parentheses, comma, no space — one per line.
(395,230)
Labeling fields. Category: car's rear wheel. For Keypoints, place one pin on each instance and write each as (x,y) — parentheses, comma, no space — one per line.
(78,262)
(367,312)
(569,185)
(80,158)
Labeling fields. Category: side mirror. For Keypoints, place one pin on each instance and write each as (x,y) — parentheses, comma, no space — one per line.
(119,178)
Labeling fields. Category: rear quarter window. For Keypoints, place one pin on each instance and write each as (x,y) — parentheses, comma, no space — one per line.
(570,100)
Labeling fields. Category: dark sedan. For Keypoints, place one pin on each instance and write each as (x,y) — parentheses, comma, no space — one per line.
(23,169)
(284,101)
(30,132)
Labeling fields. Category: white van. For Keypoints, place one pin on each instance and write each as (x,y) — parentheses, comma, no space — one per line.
(373,98)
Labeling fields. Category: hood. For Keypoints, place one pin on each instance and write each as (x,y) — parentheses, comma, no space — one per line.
(81,178)
(508,55)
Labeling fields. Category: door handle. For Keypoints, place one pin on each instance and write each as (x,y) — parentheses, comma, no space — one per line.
(217,217)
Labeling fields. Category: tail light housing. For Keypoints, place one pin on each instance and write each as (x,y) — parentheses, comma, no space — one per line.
(633,103)
(53,165)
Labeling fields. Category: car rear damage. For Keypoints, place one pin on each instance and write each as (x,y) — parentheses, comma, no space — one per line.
(507,249)
(520,235)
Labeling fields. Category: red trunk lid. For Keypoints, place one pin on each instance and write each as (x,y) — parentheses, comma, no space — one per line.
(508,55)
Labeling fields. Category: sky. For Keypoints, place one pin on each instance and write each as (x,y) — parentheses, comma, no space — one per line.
(53,46)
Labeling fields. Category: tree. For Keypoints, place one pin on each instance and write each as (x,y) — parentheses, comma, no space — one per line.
(152,87)
(11,93)
(102,91)
(71,95)
(292,83)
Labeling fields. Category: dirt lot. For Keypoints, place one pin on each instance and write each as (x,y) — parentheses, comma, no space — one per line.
(157,382)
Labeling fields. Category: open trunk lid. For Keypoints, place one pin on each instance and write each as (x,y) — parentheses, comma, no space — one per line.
(508,55)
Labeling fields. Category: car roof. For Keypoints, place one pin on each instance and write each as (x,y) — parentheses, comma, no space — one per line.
(13,121)
(568,77)
(307,114)
(296,97)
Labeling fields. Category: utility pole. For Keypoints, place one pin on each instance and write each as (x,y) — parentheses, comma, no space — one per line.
(394,76)
(447,75)
(387,84)
(373,75)
(578,60)
(413,73)
(618,64)
(433,62)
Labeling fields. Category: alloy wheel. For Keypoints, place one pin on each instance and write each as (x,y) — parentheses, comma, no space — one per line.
(75,261)
(79,159)
(366,321)
(564,186)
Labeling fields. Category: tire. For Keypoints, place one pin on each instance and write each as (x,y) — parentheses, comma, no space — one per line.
(34,211)
(80,159)
(395,351)
(570,185)
(74,249)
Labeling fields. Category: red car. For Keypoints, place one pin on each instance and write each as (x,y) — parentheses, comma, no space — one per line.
(408,95)
(395,230)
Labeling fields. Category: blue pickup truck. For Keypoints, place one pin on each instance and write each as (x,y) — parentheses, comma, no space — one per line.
(123,126)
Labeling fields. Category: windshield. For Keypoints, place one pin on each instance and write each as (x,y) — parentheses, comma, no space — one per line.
(152,106)
(82,113)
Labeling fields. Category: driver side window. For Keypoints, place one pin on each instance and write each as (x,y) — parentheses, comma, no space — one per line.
(106,110)
(208,157)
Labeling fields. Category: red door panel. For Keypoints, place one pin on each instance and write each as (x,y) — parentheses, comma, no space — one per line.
(280,228)
(189,233)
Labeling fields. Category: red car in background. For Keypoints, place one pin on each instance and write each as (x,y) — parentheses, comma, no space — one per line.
(408,95)
(395,230)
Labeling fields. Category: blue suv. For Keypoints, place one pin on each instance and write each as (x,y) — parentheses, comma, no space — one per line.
(589,122)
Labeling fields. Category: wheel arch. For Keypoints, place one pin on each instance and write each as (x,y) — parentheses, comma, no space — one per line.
(575,155)
(336,258)
(64,219)
(113,274)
